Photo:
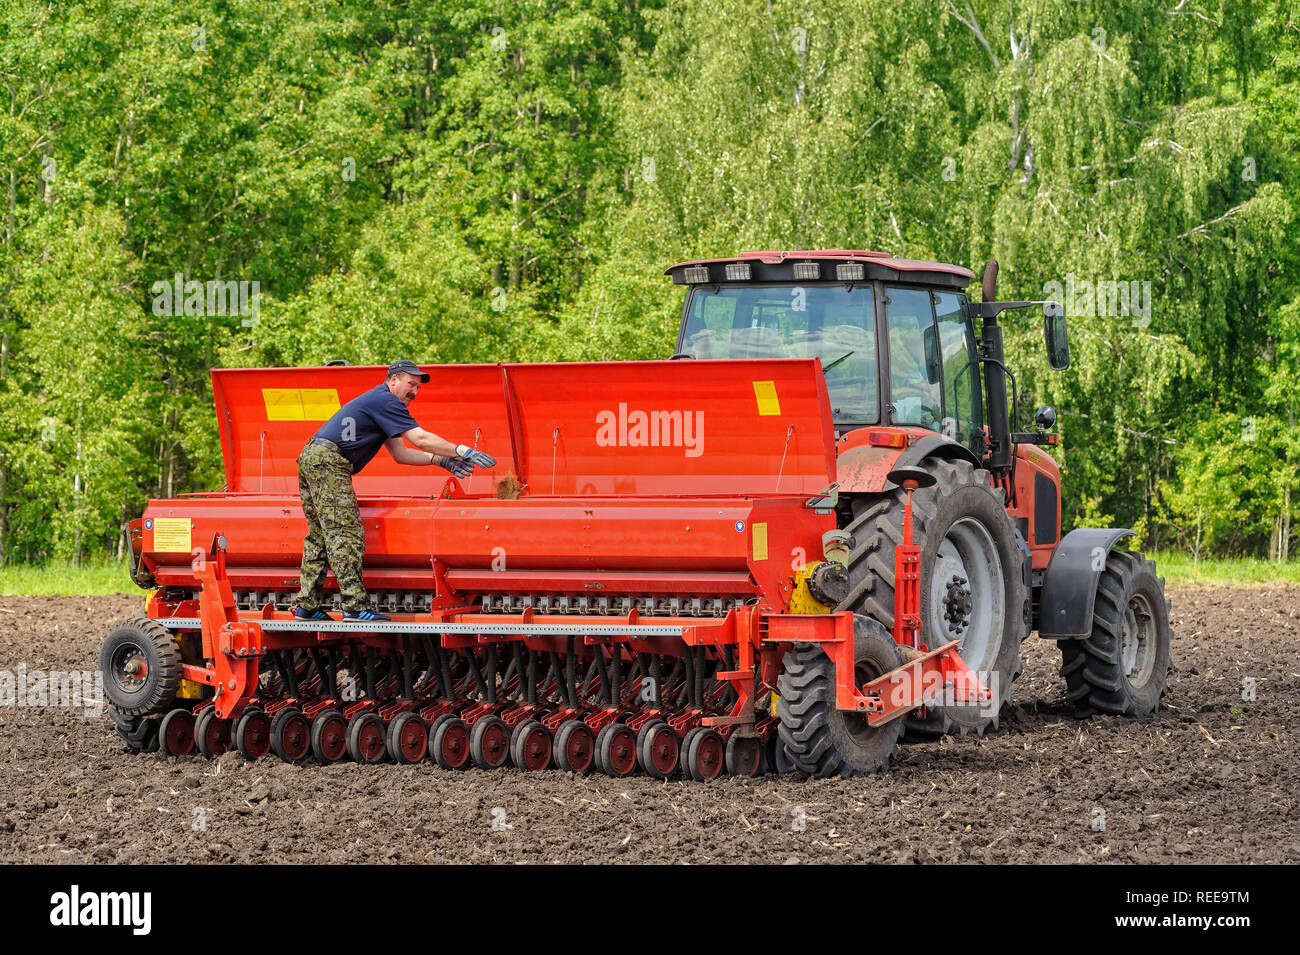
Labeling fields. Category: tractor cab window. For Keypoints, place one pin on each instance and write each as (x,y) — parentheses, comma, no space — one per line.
(963,408)
(915,373)
(834,323)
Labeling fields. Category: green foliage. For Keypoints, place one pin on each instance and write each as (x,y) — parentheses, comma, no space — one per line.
(507,181)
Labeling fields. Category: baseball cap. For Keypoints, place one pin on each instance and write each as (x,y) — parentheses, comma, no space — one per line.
(407,367)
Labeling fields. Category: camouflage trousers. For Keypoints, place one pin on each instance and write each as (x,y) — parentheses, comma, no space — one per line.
(335,539)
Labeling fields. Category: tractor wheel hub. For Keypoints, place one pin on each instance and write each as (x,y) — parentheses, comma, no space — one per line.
(957,604)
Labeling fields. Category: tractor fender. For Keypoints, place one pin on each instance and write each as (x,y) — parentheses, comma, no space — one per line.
(1070,584)
(864,468)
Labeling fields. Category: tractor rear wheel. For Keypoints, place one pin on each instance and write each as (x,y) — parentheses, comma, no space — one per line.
(1122,667)
(819,738)
(972,587)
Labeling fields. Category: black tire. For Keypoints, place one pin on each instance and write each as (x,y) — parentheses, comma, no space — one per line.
(962,515)
(489,742)
(132,640)
(361,733)
(139,732)
(563,740)
(252,735)
(650,742)
(1123,667)
(819,738)
(445,755)
(616,741)
(329,737)
(397,729)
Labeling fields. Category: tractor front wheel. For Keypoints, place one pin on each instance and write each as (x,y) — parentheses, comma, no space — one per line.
(972,583)
(819,738)
(1122,667)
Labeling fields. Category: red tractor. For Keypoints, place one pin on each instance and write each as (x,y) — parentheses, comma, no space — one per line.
(913,382)
(811,526)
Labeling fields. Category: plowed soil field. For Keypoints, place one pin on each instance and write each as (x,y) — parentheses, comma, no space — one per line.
(1211,777)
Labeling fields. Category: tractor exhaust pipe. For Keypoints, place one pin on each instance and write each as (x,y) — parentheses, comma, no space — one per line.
(995,379)
(989,288)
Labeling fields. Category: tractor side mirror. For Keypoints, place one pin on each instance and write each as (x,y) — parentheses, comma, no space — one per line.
(1045,418)
(933,362)
(1056,335)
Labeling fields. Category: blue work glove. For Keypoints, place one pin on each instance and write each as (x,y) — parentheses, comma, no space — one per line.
(475,457)
(456,466)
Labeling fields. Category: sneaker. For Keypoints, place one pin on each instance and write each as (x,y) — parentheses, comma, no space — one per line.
(367,614)
(302,613)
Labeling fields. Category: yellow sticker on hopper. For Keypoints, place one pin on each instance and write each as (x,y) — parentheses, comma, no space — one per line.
(319,404)
(283,404)
(300,404)
(171,535)
(765,395)
(760,541)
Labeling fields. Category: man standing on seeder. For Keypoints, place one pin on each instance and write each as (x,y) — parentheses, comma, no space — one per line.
(341,448)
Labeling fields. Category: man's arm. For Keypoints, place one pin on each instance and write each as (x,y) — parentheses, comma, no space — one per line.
(406,455)
(459,459)
(426,441)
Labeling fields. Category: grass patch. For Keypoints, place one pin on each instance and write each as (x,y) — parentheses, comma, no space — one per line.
(100,578)
(1180,570)
(90,578)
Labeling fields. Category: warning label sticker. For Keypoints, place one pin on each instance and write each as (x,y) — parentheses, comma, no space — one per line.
(760,541)
(765,395)
(171,535)
(300,404)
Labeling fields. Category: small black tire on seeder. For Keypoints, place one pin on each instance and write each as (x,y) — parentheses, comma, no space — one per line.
(141,663)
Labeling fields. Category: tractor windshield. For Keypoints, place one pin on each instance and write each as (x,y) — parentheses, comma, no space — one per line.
(834,323)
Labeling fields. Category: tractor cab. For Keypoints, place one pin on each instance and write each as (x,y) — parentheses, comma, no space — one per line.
(893,336)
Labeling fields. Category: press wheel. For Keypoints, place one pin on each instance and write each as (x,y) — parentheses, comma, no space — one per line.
(329,736)
(616,750)
(366,738)
(575,747)
(252,733)
(408,738)
(176,733)
(530,746)
(489,742)
(658,749)
(211,733)
(705,754)
(449,741)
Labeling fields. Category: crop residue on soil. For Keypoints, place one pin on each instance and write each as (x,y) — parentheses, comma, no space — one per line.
(1210,778)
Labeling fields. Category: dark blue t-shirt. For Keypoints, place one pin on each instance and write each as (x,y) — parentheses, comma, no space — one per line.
(362,425)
